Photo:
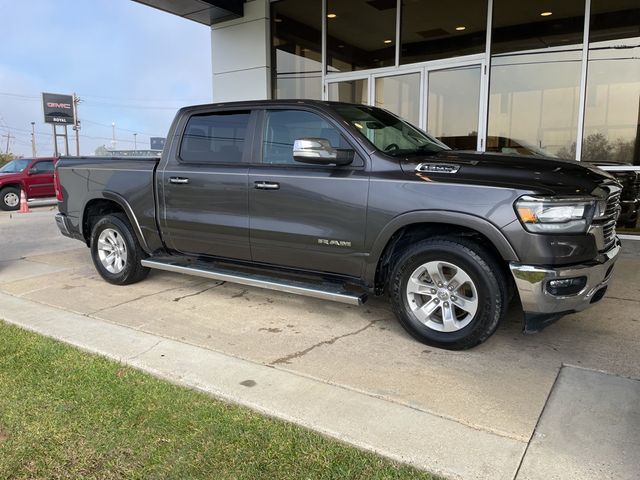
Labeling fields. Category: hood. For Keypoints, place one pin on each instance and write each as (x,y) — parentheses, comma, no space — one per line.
(543,175)
(8,177)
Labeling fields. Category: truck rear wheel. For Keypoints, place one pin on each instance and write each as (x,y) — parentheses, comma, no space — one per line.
(116,252)
(9,198)
(448,292)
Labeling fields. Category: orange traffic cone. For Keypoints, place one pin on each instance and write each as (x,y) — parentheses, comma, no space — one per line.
(24,206)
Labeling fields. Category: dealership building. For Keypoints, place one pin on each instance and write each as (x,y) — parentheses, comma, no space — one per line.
(559,76)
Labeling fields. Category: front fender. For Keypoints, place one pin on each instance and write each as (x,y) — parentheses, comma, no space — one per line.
(480,225)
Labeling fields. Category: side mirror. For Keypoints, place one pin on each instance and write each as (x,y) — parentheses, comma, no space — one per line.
(319,151)
(32,171)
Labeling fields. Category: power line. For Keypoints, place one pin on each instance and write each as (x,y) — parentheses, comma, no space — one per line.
(120,128)
(112,104)
(93,137)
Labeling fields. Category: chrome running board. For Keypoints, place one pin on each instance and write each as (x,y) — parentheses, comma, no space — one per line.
(323,290)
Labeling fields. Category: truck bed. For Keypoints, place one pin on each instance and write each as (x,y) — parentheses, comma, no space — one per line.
(127,180)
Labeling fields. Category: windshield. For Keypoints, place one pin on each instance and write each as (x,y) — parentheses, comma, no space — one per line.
(388,133)
(15,166)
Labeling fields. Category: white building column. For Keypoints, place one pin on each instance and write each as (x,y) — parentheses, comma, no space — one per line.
(240,56)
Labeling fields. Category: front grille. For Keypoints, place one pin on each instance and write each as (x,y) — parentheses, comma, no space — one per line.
(609,218)
(636,186)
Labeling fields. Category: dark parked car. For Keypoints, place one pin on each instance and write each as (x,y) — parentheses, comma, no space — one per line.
(629,178)
(33,175)
(339,201)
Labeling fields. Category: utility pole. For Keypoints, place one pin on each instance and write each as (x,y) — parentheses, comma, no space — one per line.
(9,137)
(135,141)
(33,140)
(113,135)
(76,125)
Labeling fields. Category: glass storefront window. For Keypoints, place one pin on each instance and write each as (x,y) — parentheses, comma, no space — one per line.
(400,94)
(296,44)
(612,108)
(534,89)
(353,91)
(533,104)
(453,104)
(530,25)
(432,30)
(361,34)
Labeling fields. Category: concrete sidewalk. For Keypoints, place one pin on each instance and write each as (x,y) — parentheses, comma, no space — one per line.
(493,395)
(402,433)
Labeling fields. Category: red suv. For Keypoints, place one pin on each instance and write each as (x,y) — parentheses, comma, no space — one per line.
(33,175)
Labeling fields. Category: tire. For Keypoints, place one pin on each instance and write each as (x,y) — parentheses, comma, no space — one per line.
(115,250)
(8,195)
(474,304)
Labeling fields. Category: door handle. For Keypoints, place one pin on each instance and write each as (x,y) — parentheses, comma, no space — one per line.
(267,185)
(178,180)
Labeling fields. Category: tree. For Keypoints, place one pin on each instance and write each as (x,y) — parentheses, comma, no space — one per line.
(597,148)
(6,157)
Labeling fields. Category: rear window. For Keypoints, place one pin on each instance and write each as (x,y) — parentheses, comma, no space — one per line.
(215,137)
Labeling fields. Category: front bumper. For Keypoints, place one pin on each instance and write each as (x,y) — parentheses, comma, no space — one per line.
(541,307)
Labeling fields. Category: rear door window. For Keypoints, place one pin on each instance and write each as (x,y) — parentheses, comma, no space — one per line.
(215,138)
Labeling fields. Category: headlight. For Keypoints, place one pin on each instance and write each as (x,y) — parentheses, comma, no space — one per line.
(556,214)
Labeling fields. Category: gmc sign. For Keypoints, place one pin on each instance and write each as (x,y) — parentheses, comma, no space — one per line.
(58,108)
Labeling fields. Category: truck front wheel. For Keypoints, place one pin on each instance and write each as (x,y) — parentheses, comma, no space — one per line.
(115,250)
(448,292)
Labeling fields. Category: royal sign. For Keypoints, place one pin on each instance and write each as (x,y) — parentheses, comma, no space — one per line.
(58,108)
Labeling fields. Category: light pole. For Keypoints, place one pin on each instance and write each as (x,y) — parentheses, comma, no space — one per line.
(33,139)
(135,141)
(113,135)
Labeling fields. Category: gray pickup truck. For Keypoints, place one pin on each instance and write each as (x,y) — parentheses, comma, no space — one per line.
(341,201)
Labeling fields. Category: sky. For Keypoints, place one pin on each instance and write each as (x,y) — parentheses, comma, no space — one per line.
(130,64)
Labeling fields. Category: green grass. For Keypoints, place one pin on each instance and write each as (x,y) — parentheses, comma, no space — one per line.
(68,414)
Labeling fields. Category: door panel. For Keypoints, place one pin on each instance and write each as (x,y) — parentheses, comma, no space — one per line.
(315,218)
(205,197)
(296,224)
(40,184)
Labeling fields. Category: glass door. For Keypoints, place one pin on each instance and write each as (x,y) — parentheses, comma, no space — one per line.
(350,91)
(453,105)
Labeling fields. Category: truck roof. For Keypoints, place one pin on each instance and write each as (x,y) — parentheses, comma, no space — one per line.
(268,103)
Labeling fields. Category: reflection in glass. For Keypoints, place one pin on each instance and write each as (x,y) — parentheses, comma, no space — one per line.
(431,30)
(453,106)
(400,94)
(529,25)
(354,91)
(360,34)
(533,103)
(612,109)
(296,42)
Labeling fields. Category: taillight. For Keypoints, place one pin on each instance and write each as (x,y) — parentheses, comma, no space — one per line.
(58,187)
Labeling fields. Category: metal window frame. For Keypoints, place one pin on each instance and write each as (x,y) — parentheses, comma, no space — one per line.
(484,60)
(582,99)
(423,68)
